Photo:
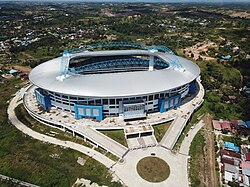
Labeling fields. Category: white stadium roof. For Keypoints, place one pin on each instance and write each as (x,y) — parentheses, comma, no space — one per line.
(114,84)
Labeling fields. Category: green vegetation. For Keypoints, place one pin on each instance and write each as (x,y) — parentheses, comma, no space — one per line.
(233,184)
(6,183)
(153,169)
(236,139)
(117,135)
(39,163)
(48,165)
(195,152)
(160,130)
(111,156)
(235,34)
(220,81)
(228,139)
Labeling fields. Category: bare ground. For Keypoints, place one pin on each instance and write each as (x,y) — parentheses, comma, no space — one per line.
(241,14)
(207,171)
(200,47)
(24,69)
(28,56)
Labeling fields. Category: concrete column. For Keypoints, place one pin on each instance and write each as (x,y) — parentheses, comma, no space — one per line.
(151,63)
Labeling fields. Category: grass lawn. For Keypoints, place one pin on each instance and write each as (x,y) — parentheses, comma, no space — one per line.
(196,150)
(40,163)
(227,138)
(153,169)
(6,183)
(160,130)
(117,135)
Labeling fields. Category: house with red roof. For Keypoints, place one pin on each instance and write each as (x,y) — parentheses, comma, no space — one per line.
(245,165)
(225,125)
(222,125)
(216,125)
(234,122)
(232,97)
(230,160)
(230,153)
(247,156)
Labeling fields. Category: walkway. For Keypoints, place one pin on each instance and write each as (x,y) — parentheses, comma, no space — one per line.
(102,140)
(83,149)
(184,149)
(16,181)
(183,115)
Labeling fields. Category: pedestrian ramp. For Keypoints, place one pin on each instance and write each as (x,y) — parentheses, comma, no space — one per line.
(102,141)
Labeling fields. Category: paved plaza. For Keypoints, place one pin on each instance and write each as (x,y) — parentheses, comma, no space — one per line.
(177,163)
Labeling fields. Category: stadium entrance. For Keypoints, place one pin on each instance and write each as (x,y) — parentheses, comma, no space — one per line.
(132,109)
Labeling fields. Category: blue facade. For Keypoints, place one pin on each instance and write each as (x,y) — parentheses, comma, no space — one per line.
(83,111)
(192,87)
(248,124)
(168,103)
(43,100)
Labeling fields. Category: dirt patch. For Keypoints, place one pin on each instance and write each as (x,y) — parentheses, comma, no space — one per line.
(200,50)
(28,56)
(241,14)
(24,69)
(208,173)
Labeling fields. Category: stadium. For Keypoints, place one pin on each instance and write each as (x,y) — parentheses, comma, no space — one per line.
(118,82)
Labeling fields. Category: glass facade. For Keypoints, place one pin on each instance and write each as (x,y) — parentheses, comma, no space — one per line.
(111,105)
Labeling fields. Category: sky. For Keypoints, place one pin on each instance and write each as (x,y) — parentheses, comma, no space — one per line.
(148,1)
